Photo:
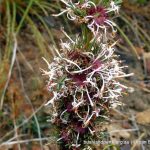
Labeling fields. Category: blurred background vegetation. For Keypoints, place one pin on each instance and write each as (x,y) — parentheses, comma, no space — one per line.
(28,32)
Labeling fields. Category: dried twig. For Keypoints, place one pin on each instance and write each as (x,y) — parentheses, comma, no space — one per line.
(26,141)
(24,122)
(29,101)
(10,70)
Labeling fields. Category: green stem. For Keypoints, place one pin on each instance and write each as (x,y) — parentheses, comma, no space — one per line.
(111,146)
(24,16)
(128,41)
(8,33)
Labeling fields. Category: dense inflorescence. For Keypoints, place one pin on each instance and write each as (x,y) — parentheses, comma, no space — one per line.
(84,77)
(86,11)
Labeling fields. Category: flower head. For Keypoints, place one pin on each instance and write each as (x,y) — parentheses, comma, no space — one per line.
(95,16)
(84,85)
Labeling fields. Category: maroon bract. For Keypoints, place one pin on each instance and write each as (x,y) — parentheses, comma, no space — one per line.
(65,136)
(99,14)
(80,129)
(69,107)
(79,79)
(97,64)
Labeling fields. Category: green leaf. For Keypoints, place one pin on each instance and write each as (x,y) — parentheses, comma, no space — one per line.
(60,82)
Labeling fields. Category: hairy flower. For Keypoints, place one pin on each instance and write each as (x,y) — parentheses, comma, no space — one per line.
(96,17)
(84,86)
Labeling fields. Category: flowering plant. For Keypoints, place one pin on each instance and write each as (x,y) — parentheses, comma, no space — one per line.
(83,77)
